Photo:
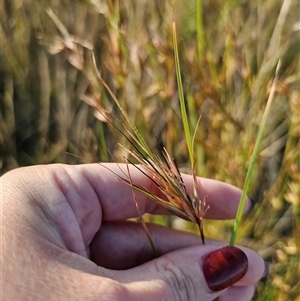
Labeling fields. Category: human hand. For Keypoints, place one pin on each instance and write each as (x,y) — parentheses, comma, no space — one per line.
(65,237)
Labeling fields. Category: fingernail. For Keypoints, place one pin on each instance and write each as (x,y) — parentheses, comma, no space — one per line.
(224,267)
(266,272)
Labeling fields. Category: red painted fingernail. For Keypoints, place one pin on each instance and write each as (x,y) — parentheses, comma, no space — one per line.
(224,267)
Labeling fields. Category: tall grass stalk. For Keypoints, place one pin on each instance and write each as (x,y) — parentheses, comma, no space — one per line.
(200,30)
(181,98)
(197,202)
(254,156)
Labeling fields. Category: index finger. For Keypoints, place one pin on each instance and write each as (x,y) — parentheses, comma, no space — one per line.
(117,202)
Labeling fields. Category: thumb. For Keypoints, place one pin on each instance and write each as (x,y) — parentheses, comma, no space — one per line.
(193,273)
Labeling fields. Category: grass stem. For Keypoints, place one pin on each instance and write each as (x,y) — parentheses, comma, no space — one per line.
(254,156)
(181,98)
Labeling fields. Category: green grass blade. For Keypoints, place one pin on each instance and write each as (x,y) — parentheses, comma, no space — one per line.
(200,30)
(181,97)
(240,210)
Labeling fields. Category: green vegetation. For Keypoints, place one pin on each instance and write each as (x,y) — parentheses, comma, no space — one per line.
(228,52)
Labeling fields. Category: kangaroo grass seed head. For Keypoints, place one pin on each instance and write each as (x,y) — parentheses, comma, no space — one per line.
(162,170)
(164,173)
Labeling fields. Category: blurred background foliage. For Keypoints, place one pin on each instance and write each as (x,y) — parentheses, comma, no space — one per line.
(228,53)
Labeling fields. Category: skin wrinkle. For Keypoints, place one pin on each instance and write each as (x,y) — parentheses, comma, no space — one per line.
(98,213)
(185,284)
(67,185)
(174,279)
(50,230)
(72,236)
(88,219)
(83,221)
(178,282)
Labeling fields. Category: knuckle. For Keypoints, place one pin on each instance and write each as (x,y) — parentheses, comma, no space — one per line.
(178,281)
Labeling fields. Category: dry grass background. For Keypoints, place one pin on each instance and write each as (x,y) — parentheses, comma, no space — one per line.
(228,59)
